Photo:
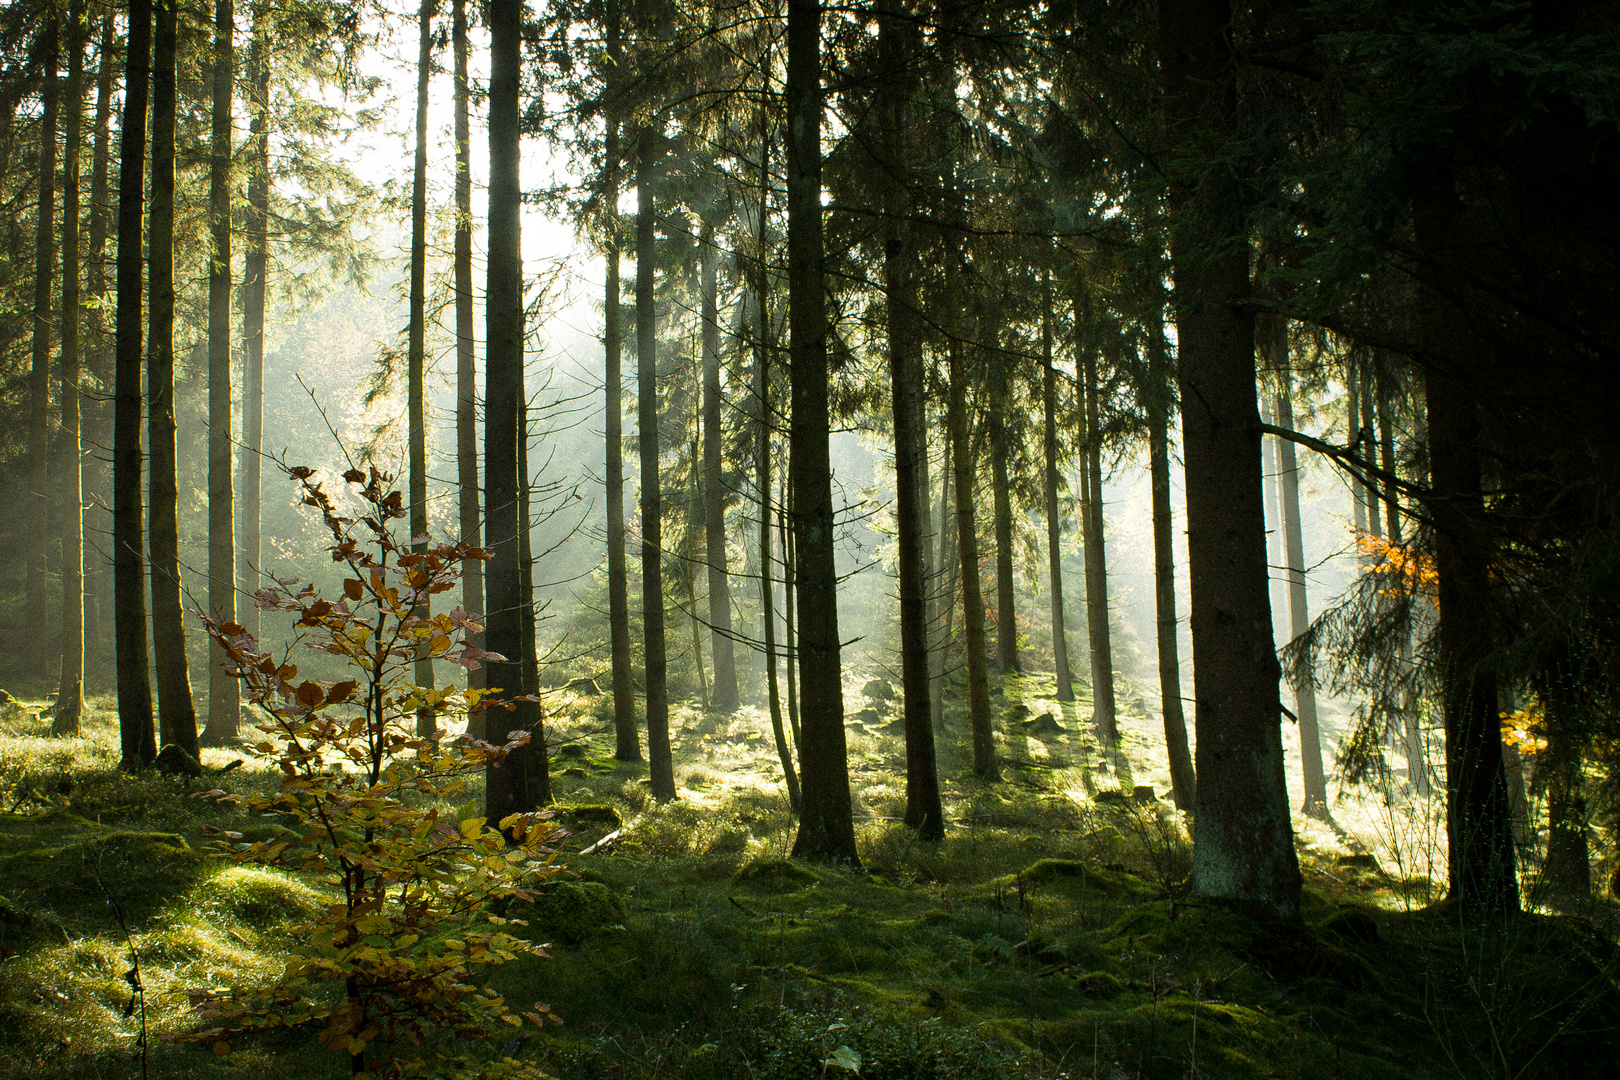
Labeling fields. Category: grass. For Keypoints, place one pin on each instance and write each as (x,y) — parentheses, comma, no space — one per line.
(1048,936)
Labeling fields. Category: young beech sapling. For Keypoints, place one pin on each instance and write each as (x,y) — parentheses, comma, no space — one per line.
(393,959)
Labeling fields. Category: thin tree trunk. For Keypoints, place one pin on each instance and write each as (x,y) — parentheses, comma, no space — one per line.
(1369,450)
(790,622)
(627,742)
(714,492)
(1054,527)
(469,512)
(1417,758)
(1001,509)
(99,615)
(1243,849)
(944,587)
(39,378)
(967,540)
(136,735)
(506,783)
(70,682)
(826,825)
(1104,709)
(255,284)
(224,700)
(1182,783)
(694,542)
(762,483)
(416,349)
(924,810)
(1352,427)
(537,762)
(652,503)
(1310,738)
(176,712)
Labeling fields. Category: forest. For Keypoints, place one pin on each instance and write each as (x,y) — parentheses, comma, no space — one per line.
(901,539)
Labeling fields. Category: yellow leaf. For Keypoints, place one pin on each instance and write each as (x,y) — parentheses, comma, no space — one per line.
(472,826)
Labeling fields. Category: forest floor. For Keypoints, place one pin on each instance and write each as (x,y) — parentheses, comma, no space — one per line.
(1048,936)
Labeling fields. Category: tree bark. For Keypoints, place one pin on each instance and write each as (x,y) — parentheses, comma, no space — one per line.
(469,512)
(1479,819)
(826,827)
(924,810)
(1182,783)
(177,716)
(695,520)
(35,623)
(416,348)
(1310,737)
(661,762)
(136,737)
(506,784)
(1001,509)
(722,648)
(255,283)
(1105,713)
(537,760)
(790,622)
(944,585)
(762,474)
(1243,848)
(1049,492)
(224,700)
(967,541)
(627,742)
(99,614)
(70,681)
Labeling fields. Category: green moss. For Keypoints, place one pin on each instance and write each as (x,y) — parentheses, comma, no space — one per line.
(572,911)
(770,873)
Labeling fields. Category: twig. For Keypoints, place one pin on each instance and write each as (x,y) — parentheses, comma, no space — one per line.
(133,975)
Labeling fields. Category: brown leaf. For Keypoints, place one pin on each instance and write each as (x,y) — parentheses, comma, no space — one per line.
(353,588)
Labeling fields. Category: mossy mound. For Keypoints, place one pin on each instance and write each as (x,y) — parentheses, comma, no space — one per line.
(572,911)
(770,873)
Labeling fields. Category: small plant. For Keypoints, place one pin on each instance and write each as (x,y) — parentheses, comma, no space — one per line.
(394,958)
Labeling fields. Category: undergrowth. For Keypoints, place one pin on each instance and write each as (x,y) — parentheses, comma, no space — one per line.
(1050,935)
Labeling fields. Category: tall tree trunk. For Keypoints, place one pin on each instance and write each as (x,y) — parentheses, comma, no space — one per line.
(255,268)
(224,701)
(662,764)
(1353,431)
(1104,708)
(537,762)
(826,825)
(136,737)
(506,784)
(1479,819)
(1182,783)
(627,743)
(924,810)
(1049,492)
(177,716)
(1001,510)
(1417,758)
(1243,849)
(694,543)
(967,541)
(416,346)
(39,377)
(762,481)
(790,622)
(714,488)
(99,616)
(70,682)
(469,513)
(1369,449)
(944,586)
(1310,737)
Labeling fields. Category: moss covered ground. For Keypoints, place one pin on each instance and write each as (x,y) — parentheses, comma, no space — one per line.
(1050,935)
